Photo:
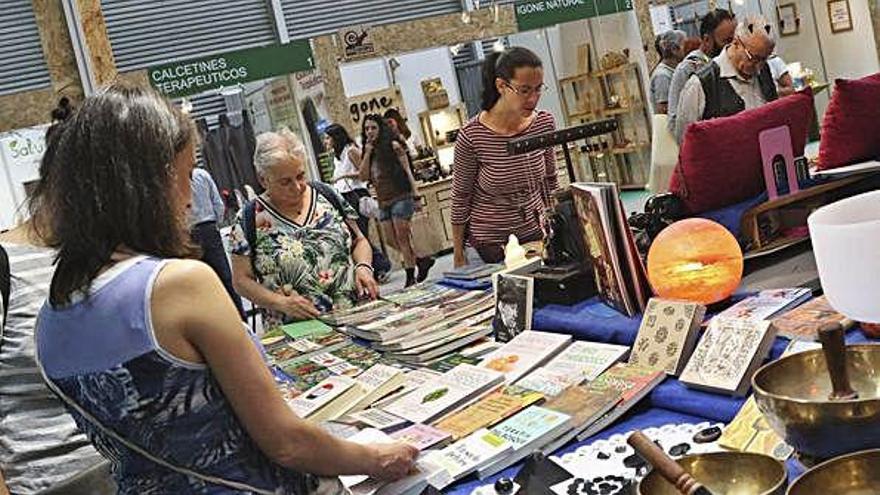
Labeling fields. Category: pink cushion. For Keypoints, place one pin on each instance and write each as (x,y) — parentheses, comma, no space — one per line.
(851,129)
(720,159)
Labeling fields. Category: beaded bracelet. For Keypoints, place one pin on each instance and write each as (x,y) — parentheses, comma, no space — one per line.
(364,265)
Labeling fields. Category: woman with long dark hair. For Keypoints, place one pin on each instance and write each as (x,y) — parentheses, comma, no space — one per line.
(495,194)
(398,124)
(385,163)
(146,348)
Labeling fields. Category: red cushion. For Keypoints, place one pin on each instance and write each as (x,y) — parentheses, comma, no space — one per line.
(719,163)
(851,129)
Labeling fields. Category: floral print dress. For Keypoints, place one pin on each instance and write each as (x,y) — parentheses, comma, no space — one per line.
(312,259)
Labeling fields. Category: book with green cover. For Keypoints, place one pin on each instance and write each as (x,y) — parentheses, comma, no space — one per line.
(349,360)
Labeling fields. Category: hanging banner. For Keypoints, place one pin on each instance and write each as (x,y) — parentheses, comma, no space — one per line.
(535,14)
(377,102)
(189,77)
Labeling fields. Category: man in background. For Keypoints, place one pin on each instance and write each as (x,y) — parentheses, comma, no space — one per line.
(716,32)
(206,213)
(738,79)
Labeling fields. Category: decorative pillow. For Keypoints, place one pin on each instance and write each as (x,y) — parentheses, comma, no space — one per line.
(851,129)
(720,159)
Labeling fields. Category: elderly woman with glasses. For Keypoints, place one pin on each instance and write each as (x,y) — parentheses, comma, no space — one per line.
(495,194)
(297,249)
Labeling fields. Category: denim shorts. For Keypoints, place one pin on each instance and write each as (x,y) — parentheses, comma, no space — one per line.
(401,209)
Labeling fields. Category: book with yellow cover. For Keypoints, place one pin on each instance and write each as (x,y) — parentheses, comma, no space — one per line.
(488,411)
(749,432)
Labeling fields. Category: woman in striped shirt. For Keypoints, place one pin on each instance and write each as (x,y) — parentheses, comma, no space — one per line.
(495,194)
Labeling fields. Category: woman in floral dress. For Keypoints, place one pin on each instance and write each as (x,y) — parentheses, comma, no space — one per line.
(297,250)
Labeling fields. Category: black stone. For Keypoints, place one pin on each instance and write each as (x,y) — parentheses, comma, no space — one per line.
(708,435)
(680,450)
(603,456)
(504,486)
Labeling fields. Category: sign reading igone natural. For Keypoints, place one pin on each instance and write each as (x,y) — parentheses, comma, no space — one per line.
(194,76)
(534,14)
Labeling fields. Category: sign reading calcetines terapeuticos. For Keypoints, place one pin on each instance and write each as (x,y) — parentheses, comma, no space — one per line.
(534,14)
(194,76)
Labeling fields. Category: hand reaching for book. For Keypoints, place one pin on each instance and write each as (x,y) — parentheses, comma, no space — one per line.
(297,307)
(393,461)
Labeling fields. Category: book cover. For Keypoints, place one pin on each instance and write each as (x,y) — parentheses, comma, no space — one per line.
(446,345)
(513,306)
(348,360)
(750,432)
(525,352)
(488,411)
(526,431)
(804,321)
(630,380)
(467,455)
(376,418)
(473,272)
(413,379)
(421,436)
(667,335)
(434,333)
(449,363)
(601,252)
(377,382)
(287,348)
(435,398)
(584,361)
(548,383)
(585,406)
(765,304)
(727,354)
(311,401)
(342,317)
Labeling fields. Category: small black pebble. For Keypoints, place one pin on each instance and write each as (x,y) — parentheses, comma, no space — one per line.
(504,486)
(708,435)
(634,461)
(680,450)
(603,456)
(620,449)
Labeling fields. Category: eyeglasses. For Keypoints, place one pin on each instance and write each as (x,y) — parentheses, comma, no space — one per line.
(527,91)
(752,58)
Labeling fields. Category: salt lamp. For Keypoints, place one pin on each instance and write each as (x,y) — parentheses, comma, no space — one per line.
(695,260)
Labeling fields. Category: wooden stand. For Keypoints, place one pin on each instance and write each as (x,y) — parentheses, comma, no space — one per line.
(763,225)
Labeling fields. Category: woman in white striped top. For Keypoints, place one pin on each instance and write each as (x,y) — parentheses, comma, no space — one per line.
(495,194)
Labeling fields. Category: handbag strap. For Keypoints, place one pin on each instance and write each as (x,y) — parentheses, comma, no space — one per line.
(214,480)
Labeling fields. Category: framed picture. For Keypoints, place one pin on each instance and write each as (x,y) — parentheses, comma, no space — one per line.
(789,23)
(839,16)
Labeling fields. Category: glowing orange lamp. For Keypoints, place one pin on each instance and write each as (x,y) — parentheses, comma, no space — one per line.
(695,260)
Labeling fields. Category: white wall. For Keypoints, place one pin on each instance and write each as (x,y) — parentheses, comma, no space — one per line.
(849,54)
(372,75)
(536,41)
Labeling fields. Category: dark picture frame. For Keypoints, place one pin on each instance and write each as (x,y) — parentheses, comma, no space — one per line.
(789,22)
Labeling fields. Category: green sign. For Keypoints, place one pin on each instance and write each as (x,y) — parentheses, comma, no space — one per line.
(534,14)
(194,76)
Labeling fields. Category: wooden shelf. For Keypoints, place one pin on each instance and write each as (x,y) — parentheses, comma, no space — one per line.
(582,115)
(616,70)
(634,148)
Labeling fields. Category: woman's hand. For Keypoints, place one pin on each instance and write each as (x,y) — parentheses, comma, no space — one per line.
(392,461)
(365,283)
(297,307)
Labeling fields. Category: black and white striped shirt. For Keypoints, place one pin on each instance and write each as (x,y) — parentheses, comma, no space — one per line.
(40,444)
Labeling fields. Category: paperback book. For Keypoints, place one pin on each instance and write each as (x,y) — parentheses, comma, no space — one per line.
(349,360)
(632,382)
(422,437)
(584,361)
(377,382)
(328,400)
(473,272)
(359,314)
(585,406)
(525,352)
(432,400)
(513,306)
(468,455)
(375,418)
(436,332)
(413,379)
(526,432)
(766,304)
(364,485)
(727,356)
(488,411)
(462,337)
(401,323)
(667,335)
(804,322)
(548,383)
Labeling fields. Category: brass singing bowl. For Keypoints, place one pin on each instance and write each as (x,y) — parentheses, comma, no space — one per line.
(853,474)
(727,473)
(793,395)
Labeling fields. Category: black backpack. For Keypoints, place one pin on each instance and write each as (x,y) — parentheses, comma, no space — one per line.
(5,283)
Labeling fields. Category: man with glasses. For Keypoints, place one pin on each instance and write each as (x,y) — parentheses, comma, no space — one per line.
(738,79)
(716,32)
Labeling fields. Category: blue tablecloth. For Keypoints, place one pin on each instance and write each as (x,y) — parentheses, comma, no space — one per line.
(670,402)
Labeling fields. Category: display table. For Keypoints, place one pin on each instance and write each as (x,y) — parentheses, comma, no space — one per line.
(670,403)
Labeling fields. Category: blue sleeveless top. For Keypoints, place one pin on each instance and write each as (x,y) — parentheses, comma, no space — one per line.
(101,351)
